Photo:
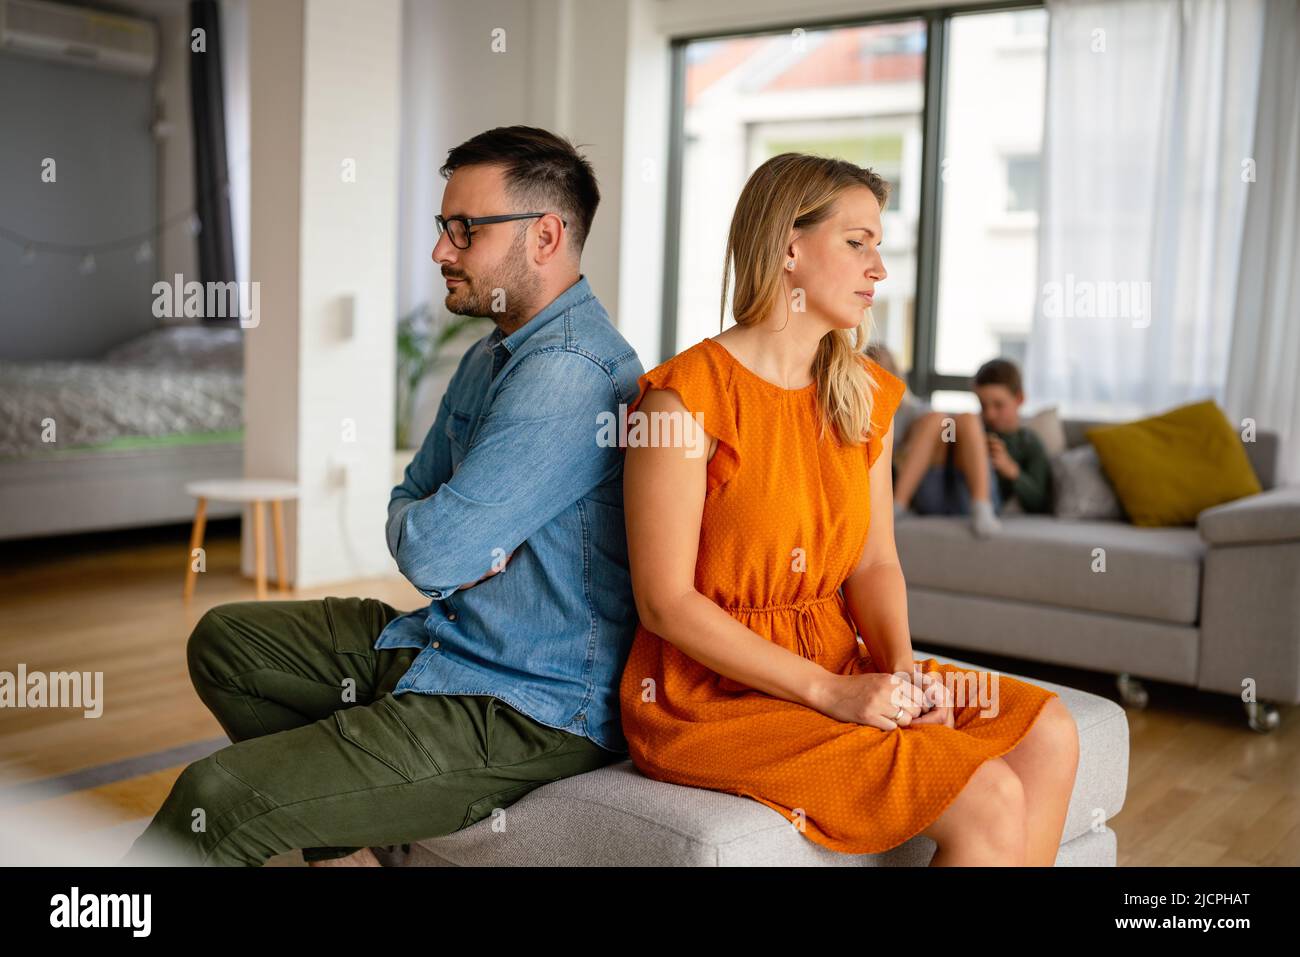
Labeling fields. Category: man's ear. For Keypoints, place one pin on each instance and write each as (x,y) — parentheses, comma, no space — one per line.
(548,238)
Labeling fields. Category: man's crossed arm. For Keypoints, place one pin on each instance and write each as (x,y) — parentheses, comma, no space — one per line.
(534,456)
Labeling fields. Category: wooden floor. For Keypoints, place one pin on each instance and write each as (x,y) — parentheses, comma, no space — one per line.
(1203,788)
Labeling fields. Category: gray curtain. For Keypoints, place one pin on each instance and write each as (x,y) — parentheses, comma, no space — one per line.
(216,246)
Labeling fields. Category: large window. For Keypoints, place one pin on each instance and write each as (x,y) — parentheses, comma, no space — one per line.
(947,106)
(988,213)
(852,92)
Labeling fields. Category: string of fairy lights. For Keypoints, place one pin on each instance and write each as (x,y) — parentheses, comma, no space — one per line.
(143,241)
(86,252)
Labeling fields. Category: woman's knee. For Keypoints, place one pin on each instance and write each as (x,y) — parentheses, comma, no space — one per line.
(1057,733)
(989,812)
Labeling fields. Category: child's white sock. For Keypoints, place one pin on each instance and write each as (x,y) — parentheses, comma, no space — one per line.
(983,519)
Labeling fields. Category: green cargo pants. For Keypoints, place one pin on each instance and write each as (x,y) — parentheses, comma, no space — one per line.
(325,757)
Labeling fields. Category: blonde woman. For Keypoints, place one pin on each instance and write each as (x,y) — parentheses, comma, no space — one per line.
(756,566)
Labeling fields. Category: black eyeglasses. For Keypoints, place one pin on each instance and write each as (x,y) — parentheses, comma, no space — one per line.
(457,227)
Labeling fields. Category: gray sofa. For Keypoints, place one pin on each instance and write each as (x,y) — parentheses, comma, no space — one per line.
(1206,606)
(1209,606)
(1213,606)
(618,817)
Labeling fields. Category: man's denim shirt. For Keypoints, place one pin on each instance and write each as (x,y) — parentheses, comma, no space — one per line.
(515,466)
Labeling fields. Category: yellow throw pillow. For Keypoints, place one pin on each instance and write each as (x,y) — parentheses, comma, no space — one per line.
(1169,468)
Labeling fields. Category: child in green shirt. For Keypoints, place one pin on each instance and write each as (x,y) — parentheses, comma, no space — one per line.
(1016,454)
(1009,460)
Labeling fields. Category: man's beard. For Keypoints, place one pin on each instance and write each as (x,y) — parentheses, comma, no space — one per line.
(519,288)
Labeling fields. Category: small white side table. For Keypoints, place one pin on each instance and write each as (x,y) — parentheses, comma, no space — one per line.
(258,492)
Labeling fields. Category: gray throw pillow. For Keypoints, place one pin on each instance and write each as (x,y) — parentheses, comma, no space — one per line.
(1080,487)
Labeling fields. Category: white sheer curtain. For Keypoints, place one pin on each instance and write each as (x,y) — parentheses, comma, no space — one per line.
(1264,368)
(1151,114)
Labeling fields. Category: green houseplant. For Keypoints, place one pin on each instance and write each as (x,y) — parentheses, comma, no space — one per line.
(422,335)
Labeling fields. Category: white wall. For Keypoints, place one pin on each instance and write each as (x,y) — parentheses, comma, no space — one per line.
(319,388)
(351,114)
(453,86)
(271,359)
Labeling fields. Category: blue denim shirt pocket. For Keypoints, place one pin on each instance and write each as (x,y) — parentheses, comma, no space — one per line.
(459,426)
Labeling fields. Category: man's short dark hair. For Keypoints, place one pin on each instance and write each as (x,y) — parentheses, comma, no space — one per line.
(543,173)
(1000,372)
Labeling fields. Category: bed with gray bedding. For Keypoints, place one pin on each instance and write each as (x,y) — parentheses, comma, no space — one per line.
(109,443)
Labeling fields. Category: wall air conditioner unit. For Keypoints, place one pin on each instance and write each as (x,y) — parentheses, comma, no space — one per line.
(53,31)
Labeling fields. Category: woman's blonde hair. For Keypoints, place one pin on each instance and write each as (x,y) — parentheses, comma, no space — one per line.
(798,191)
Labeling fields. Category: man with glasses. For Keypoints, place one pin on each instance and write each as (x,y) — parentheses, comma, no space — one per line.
(355,725)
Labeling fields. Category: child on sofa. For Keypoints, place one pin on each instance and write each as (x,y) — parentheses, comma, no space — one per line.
(940,470)
(936,472)
(1015,452)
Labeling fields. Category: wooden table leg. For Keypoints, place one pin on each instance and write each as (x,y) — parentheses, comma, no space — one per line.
(277,528)
(196,541)
(259,547)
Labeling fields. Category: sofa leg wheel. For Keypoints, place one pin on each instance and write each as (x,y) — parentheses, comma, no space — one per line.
(1131,691)
(1263,716)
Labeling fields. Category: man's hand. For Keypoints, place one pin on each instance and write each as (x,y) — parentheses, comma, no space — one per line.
(1002,461)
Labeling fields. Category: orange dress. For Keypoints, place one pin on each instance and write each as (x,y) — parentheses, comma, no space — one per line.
(785,521)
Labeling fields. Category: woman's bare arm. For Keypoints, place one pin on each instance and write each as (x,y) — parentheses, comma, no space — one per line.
(875,591)
(663,501)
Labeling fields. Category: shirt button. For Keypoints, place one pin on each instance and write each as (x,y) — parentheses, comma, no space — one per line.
(451,616)
(437,644)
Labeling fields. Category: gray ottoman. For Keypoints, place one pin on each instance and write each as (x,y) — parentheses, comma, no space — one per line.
(616,816)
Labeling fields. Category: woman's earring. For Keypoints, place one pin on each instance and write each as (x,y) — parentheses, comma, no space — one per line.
(789,264)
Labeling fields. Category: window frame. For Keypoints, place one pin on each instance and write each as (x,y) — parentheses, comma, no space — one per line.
(923,378)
